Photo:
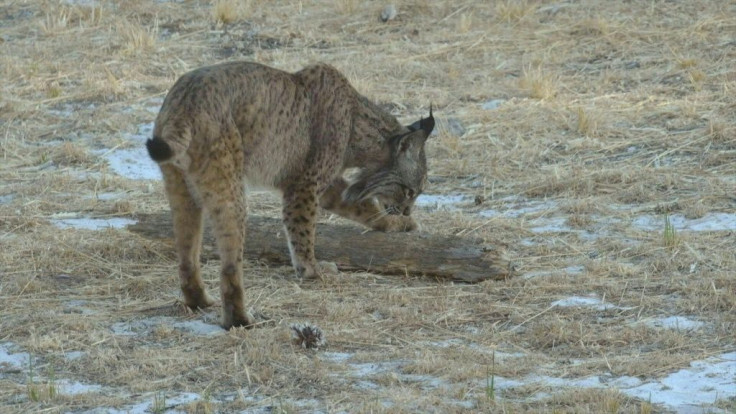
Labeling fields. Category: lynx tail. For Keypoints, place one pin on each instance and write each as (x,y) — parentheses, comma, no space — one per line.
(158,149)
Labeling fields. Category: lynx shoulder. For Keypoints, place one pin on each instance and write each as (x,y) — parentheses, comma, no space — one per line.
(224,125)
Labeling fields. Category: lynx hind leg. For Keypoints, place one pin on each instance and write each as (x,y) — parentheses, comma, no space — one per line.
(223,197)
(187,219)
(366,212)
(300,215)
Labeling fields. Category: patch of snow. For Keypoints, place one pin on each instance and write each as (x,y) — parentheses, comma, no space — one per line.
(72,355)
(501,355)
(92,223)
(7,198)
(366,385)
(584,301)
(514,207)
(145,131)
(446,343)
(146,407)
(676,323)
(78,306)
(108,196)
(145,326)
(83,3)
(198,327)
(426,382)
(549,225)
(709,222)
(68,387)
(154,107)
(570,270)
(492,104)
(12,360)
(467,404)
(692,389)
(574,270)
(82,176)
(67,110)
(502,383)
(133,163)
(367,369)
(439,202)
(139,327)
(554,382)
(338,357)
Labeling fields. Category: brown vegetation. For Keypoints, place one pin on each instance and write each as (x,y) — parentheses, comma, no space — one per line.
(607,112)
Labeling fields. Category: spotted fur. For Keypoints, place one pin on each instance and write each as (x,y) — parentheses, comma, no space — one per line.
(223,126)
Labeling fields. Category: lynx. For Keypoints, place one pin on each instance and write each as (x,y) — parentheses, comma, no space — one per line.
(226,126)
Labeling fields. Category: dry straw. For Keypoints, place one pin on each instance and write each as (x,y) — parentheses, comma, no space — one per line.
(611,111)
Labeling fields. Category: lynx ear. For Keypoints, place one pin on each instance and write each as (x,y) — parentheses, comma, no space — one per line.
(425,124)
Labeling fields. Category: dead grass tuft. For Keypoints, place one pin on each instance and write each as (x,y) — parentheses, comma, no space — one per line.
(56,21)
(596,26)
(138,39)
(70,154)
(346,6)
(538,84)
(226,11)
(511,11)
(587,124)
(465,22)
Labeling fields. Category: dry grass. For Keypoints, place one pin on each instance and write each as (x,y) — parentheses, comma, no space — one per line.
(609,111)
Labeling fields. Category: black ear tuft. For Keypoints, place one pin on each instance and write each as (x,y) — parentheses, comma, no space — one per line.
(427,124)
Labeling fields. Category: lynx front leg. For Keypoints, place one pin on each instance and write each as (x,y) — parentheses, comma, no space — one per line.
(366,212)
(300,211)
(187,218)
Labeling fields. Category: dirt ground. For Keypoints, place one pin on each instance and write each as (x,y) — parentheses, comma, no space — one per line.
(594,142)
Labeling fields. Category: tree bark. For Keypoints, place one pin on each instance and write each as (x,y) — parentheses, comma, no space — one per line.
(352,249)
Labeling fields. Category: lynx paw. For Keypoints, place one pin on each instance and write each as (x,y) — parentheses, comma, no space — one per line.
(328,268)
(197,299)
(238,319)
(395,223)
(317,270)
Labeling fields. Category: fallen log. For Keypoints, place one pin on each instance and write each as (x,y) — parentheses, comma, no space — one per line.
(351,249)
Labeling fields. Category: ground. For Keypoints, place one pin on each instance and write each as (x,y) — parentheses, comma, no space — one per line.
(593,142)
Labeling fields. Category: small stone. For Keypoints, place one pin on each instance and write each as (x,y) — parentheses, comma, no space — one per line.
(388,13)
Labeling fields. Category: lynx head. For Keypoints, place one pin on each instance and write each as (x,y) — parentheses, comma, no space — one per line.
(398,182)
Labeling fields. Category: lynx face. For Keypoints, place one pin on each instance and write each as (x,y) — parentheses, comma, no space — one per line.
(396,185)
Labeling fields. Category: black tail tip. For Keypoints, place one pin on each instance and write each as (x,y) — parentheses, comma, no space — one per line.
(158,149)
